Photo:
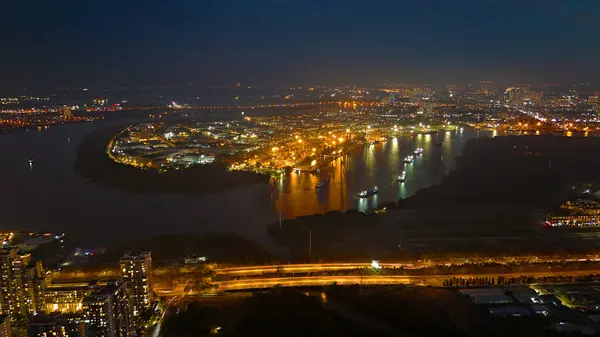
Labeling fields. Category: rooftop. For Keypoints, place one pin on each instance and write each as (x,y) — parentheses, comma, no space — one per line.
(102,293)
(136,255)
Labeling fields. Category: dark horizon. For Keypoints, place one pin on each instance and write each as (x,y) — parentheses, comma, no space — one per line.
(354,42)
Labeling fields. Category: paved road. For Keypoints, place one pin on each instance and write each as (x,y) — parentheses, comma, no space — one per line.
(318,267)
(302,268)
(303,281)
(315,281)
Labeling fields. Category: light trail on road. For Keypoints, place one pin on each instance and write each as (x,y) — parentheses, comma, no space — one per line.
(313,281)
(319,267)
(310,281)
(303,268)
(433,280)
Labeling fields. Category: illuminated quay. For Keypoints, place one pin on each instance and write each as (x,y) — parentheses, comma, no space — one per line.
(269,145)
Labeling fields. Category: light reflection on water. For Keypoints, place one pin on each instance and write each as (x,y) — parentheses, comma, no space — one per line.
(369,166)
(51,196)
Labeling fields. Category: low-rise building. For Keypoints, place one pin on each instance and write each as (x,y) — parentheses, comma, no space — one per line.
(55,325)
(193,158)
(66,297)
(525,296)
(584,220)
(509,311)
(486,296)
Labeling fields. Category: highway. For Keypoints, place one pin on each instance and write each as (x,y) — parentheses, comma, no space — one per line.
(432,280)
(316,281)
(304,281)
(302,268)
(263,283)
(319,267)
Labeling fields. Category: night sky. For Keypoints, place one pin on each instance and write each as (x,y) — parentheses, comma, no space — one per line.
(298,42)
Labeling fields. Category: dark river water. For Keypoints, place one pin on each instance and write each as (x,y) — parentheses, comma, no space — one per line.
(50,195)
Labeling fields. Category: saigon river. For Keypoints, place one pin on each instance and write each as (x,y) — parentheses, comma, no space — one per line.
(369,166)
(50,195)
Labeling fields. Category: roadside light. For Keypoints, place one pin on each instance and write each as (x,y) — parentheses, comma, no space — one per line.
(347,130)
(299,140)
(333,142)
(314,149)
(375,264)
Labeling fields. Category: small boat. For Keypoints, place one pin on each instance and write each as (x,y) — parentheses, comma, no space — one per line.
(440,144)
(408,159)
(418,151)
(402,176)
(31,160)
(366,194)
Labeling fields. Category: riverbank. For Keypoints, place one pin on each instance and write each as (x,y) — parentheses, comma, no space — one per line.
(335,236)
(93,163)
(492,204)
(536,171)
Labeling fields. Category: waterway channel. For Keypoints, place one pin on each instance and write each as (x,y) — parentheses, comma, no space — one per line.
(50,195)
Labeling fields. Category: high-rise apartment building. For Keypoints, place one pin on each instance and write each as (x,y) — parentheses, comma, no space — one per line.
(135,272)
(19,283)
(6,277)
(33,280)
(107,312)
(5,329)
